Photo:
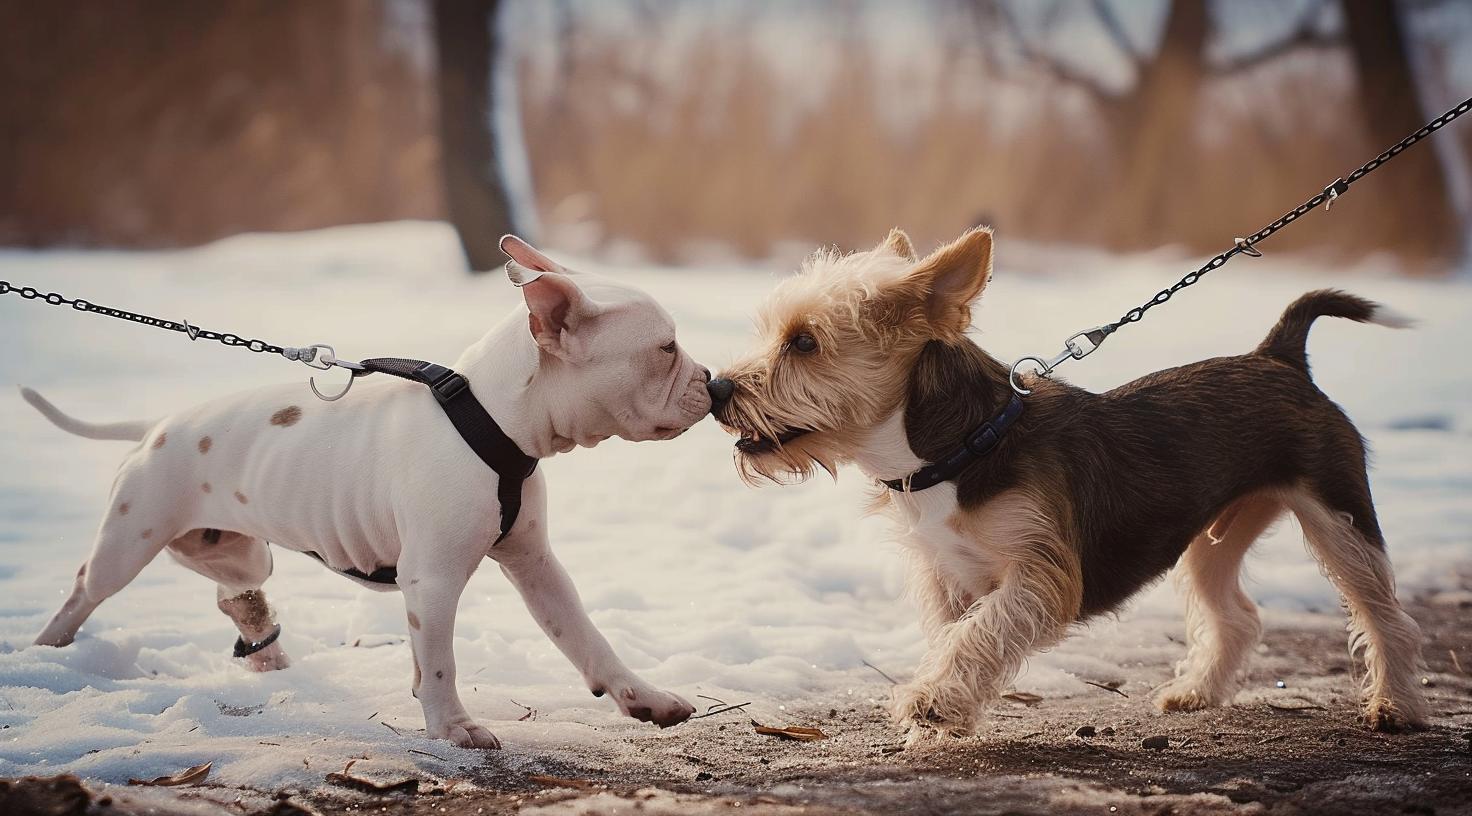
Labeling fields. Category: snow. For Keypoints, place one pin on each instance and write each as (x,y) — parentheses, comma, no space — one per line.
(703,585)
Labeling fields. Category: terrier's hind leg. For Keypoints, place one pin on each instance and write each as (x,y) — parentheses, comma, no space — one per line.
(1221,621)
(1344,536)
(239,565)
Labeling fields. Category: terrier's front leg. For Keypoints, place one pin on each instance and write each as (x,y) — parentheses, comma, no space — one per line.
(430,598)
(974,658)
(553,601)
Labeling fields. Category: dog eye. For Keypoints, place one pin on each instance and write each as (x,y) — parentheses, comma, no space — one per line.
(668,348)
(804,343)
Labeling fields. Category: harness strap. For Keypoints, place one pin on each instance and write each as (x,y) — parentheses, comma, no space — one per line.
(977,444)
(475,425)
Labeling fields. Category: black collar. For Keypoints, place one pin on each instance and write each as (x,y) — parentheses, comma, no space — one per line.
(977,444)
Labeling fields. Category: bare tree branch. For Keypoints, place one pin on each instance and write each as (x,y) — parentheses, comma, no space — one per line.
(1115,29)
(1305,35)
(1050,65)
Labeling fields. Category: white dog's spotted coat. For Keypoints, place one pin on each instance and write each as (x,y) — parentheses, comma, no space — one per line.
(382,479)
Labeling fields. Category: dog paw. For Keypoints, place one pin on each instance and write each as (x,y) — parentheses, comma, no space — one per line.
(465,734)
(1181,695)
(923,710)
(647,704)
(271,658)
(1384,715)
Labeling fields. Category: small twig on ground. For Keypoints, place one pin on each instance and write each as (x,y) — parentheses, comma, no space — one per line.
(277,744)
(531,713)
(718,701)
(1107,687)
(391,728)
(711,712)
(882,673)
(1030,736)
(1456,664)
(1274,738)
(374,714)
(1006,715)
(1308,707)
(428,754)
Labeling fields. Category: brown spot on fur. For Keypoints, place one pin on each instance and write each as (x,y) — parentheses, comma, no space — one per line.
(416,675)
(439,675)
(205,443)
(287,416)
(413,621)
(147,534)
(240,497)
(124,508)
(159,442)
(206,487)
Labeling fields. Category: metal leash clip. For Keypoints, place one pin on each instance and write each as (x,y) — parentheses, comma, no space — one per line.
(322,357)
(1073,349)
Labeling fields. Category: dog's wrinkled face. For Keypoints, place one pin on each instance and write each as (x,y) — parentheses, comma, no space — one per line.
(610,349)
(836,345)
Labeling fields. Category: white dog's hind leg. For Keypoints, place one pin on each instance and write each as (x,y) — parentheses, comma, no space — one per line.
(239,565)
(1222,624)
(61,630)
(553,601)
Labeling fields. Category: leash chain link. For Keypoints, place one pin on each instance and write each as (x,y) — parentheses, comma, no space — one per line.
(305,355)
(1245,246)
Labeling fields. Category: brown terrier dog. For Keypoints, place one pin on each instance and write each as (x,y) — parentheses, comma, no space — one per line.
(1087,497)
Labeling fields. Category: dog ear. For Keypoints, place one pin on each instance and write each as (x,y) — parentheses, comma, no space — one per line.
(953,277)
(556,308)
(528,257)
(898,243)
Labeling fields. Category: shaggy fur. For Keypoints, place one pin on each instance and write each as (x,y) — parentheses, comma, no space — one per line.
(1088,499)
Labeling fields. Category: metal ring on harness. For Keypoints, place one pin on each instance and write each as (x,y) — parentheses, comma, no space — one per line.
(1043,371)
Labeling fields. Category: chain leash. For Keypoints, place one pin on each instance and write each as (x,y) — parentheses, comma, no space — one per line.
(1084,343)
(318,355)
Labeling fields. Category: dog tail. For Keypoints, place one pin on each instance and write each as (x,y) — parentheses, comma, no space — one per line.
(1287,339)
(121,431)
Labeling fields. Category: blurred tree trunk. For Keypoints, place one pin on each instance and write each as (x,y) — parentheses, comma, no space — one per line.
(466,40)
(1154,125)
(1390,109)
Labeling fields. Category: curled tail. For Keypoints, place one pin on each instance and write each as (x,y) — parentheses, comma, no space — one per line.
(122,431)
(1287,339)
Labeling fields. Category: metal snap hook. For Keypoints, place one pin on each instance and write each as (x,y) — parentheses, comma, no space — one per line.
(1043,370)
(312,381)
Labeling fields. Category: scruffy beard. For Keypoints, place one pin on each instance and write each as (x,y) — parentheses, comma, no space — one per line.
(782,449)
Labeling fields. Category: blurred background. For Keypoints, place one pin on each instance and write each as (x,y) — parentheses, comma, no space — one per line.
(681,132)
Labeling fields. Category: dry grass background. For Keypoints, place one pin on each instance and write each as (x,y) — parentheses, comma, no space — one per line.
(717,157)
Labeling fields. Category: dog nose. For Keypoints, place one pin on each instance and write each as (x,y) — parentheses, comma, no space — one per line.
(720,390)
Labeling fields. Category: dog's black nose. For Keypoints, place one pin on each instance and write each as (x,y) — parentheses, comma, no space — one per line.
(720,390)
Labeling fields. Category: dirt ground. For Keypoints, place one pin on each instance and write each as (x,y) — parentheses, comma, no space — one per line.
(1281,755)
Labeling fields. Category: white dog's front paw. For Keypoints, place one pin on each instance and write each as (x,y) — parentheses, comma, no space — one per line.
(465,734)
(923,709)
(649,704)
(271,658)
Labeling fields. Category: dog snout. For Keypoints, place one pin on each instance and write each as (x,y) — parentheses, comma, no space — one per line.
(720,390)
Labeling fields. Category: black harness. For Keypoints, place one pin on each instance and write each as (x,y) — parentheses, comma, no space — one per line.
(977,444)
(476,427)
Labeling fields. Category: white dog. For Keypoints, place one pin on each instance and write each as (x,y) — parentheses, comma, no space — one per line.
(382,480)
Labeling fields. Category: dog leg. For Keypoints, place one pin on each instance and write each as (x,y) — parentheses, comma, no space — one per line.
(937,603)
(977,656)
(1222,624)
(431,594)
(61,630)
(129,539)
(239,565)
(1344,536)
(553,601)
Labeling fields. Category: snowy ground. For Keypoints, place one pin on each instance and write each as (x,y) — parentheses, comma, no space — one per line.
(702,584)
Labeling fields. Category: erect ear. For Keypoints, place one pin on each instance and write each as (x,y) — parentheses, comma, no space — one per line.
(556,307)
(954,276)
(526,258)
(898,243)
